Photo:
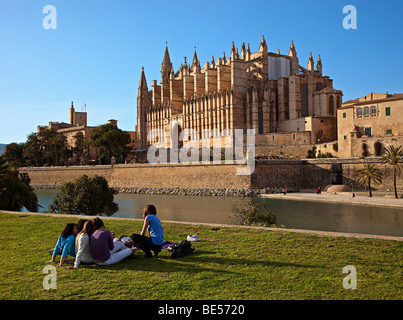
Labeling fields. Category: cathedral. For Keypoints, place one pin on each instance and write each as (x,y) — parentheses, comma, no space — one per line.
(272,93)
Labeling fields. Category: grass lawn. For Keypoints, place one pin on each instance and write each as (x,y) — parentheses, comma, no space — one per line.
(230,263)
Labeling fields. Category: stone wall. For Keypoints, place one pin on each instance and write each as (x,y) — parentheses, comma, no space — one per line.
(292,174)
(272,174)
(345,170)
(147,176)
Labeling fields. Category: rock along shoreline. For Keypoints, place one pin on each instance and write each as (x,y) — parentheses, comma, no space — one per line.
(185,192)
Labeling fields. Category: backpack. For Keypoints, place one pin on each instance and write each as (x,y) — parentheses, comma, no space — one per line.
(181,249)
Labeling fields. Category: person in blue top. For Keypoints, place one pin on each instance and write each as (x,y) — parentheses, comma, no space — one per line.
(65,244)
(154,227)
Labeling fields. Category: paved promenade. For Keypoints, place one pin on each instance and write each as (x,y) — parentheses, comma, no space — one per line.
(361,198)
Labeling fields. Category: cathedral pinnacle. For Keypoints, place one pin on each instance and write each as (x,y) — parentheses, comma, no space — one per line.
(233,51)
(292,52)
(263,45)
(311,63)
(319,64)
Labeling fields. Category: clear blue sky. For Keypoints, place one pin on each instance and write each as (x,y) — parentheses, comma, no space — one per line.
(96,53)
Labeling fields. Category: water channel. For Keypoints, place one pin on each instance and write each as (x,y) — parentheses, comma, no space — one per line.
(290,213)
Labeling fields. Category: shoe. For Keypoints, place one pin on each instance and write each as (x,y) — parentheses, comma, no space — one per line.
(192,237)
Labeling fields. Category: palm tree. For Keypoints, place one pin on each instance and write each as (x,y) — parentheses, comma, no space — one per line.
(367,174)
(58,142)
(394,157)
(32,149)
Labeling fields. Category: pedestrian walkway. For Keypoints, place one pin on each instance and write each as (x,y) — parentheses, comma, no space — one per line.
(360,198)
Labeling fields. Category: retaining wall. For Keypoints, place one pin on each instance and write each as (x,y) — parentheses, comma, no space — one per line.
(292,174)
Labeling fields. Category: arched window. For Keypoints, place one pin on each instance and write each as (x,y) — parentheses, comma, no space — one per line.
(359,112)
(304,100)
(331,106)
(366,112)
(373,111)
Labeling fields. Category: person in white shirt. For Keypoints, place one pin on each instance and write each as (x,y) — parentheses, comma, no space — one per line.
(83,251)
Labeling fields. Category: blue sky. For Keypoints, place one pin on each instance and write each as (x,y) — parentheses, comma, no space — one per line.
(96,53)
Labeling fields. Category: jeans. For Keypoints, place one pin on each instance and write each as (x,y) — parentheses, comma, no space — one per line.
(119,252)
(146,244)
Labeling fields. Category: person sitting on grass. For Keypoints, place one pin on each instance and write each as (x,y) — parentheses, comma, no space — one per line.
(83,251)
(104,251)
(65,244)
(80,225)
(154,227)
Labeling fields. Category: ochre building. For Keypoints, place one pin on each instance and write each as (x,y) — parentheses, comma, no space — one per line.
(272,93)
(369,124)
(78,123)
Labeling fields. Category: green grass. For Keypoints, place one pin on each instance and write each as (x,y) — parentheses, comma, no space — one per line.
(230,263)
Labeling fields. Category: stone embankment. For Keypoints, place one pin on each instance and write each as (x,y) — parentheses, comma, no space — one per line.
(185,192)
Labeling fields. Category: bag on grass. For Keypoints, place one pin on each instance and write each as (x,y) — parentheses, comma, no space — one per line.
(181,249)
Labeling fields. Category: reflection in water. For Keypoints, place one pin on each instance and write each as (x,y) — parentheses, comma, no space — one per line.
(169,207)
(178,208)
(290,213)
(337,217)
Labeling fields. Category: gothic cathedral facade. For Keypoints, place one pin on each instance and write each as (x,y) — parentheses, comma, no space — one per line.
(270,92)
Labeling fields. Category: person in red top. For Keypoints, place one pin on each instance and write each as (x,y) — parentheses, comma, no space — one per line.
(103,249)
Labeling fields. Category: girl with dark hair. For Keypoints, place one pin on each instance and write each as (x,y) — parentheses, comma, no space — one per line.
(80,224)
(65,244)
(154,227)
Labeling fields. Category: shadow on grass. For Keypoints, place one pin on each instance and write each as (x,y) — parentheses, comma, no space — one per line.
(195,263)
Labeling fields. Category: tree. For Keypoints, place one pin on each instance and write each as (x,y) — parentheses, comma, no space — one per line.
(78,150)
(111,141)
(394,157)
(90,196)
(15,192)
(14,154)
(32,149)
(87,145)
(369,174)
(251,213)
(52,145)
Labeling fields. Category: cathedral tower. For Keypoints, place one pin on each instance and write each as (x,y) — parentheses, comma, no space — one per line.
(143,102)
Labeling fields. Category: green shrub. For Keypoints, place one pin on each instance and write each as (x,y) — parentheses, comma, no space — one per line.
(90,196)
(253,214)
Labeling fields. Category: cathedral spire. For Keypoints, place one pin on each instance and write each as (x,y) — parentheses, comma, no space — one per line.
(143,81)
(166,66)
(194,62)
